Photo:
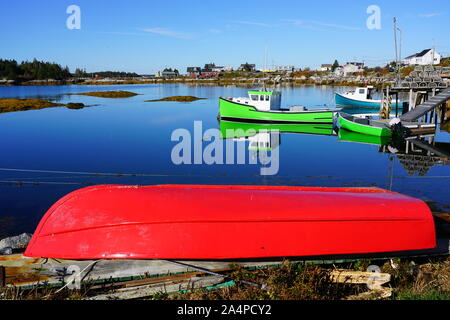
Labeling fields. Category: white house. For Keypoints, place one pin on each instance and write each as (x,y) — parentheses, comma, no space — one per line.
(222,69)
(425,57)
(325,68)
(167,74)
(349,68)
(285,68)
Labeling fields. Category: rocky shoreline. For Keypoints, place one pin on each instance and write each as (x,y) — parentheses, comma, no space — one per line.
(303,80)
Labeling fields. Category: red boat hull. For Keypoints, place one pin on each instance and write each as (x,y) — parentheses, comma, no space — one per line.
(230,222)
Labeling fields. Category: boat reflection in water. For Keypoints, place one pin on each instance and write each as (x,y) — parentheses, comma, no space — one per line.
(416,154)
(350,136)
(234,130)
(265,138)
(419,154)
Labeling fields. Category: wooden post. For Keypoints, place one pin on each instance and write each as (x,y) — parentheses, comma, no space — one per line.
(2,277)
(411,100)
(396,105)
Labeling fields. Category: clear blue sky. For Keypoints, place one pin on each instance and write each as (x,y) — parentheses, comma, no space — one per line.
(145,36)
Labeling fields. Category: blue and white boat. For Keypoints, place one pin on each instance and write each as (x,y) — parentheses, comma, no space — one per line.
(359,98)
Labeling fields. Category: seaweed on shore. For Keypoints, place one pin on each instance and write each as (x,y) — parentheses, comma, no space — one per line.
(108,94)
(177,99)
(12,105)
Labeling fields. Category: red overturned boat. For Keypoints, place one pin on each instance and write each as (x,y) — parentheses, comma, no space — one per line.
(230,222)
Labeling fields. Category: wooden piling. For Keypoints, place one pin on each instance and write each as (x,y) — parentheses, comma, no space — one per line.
(2,277)
(447,110)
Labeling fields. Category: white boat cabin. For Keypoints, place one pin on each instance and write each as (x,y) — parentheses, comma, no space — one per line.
(262,100)
(362,93)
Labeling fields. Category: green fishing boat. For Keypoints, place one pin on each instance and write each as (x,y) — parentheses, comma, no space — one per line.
(264,107)
(350,136)
(377,128)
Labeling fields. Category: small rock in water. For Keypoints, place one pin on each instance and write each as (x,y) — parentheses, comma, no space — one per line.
(17,242)
(6,251)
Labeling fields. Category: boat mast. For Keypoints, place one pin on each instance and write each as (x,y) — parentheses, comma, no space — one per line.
(434,50)
(265,59)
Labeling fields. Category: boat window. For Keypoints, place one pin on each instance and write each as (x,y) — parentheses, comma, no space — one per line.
(254,97)
(261,98)
(361,91)
(267,98)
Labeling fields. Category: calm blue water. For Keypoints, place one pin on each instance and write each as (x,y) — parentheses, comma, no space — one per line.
(130,136)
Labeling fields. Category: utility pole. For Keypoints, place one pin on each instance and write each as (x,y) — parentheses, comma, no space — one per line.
(397,64)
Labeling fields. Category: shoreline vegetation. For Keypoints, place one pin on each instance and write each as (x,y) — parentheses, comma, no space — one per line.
(241,81)
(178,99)
(12,105)
(40,73)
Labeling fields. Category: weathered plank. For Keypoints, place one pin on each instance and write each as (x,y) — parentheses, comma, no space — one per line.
(374,280)
(18,260)
(372,294)
(165,287)
(94,271)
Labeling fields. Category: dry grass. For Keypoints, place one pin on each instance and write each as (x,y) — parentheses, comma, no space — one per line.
(425,281)
(290,282)
(428,279)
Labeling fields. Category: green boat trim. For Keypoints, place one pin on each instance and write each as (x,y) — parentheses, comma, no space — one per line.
(364,126)
(235,111)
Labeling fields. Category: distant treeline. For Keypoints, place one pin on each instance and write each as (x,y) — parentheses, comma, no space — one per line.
(40,70)
(35,70)
(104,74)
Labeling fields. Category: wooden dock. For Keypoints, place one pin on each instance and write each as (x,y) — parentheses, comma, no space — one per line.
(430,105)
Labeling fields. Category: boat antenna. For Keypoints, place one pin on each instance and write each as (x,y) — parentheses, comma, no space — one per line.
(264,87)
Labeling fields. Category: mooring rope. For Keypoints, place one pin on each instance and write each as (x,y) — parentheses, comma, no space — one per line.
(45,182)
(91,173)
